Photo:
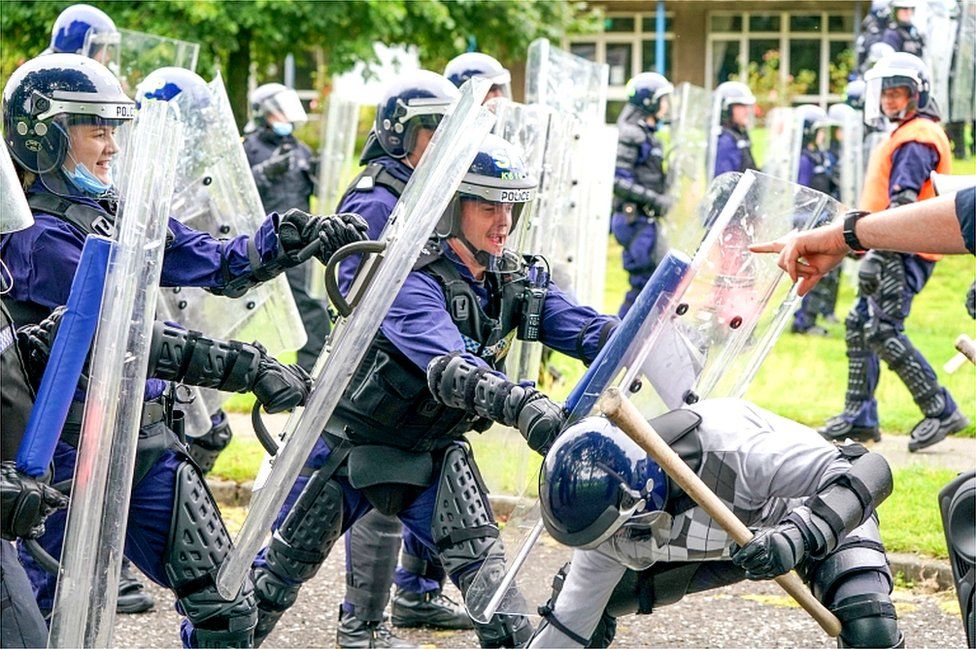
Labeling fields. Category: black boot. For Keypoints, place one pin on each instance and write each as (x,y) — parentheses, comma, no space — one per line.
(133,597)
(433,609)
(354,633)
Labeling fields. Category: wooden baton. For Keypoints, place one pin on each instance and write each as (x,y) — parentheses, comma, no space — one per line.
(625,416)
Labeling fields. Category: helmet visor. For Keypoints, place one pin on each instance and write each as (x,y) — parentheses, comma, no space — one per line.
(82,155)
(104,47)
(287,104)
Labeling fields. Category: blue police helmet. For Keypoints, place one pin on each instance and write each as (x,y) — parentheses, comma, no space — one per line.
(854,94)
(498,174)
(593,480)
(168,83)
(76,25)
(646,90)
(412,102)
(810,118)
(475,64)
(46,95)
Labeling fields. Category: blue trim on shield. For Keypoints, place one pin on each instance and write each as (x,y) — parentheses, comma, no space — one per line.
(71,346)
(665,279)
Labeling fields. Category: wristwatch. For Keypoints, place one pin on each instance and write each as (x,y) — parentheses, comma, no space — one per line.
(850,237)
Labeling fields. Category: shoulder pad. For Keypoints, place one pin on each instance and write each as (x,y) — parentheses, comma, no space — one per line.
(631,134)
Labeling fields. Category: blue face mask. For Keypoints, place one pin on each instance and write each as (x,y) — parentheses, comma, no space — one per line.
(87,182)
(282,129)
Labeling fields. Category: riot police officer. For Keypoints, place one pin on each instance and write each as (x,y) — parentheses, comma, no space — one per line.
(431,374)
(900,33)
(733,149)
(60,113)
(898,174)
(640,184)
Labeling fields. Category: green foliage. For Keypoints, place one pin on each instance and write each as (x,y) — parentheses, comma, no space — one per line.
(763,78)
(910,519)
(840,70)
(233,35)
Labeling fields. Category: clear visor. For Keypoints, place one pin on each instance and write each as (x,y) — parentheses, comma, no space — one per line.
(287,104)
(105,48)
(422,108)
(88,161)
(14,212)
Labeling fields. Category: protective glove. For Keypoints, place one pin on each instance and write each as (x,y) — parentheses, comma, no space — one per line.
(869,274)
(772,552)
(25,503)
(35,342)
(279,387)
(298,229)
(539,420)
(971,300)
(661,203)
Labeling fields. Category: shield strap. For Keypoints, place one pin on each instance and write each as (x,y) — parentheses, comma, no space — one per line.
(86,218)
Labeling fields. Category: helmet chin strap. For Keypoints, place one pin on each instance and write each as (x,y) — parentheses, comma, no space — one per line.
(6,279)
(481,256)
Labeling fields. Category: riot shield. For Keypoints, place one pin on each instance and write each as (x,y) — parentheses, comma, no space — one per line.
(215,193)
(847,126)
(703,327)
(15,214)
(686,156)
(380,276)
(582,175)
(84,609)
(784,143)
(962,85)
(133,55)
(938,22)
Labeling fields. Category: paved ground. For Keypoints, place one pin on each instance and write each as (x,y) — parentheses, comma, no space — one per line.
(744,615)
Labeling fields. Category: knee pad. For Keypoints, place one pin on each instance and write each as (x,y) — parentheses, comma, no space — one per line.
(852,556)
(197,546)
(867,620)
(205,449)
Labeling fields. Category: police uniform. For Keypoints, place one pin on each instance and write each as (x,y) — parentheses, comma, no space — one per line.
(904,38)
(762,467)
(391,445)
(816,171)
(733,151)
(639,188)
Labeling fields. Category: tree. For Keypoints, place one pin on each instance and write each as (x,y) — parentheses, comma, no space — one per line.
(235,35)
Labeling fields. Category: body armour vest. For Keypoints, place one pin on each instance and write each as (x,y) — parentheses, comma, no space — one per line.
(388,402)
(820,178)
(639,150)
(744,145)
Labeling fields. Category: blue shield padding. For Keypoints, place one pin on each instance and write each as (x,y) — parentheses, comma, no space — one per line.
(71,346)
(665,279)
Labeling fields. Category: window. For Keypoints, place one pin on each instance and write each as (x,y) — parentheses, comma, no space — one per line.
(628,45)
(814,47)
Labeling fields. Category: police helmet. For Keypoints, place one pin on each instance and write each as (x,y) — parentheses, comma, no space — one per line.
(415,101)
(82,29)
(810,118)
(733,93)
(276,98)
(594,480)
(475,64)
(897,70)
(646,92)
(903,4)
(167,83)
(46,95)
(498,174)
(876,52)
(854,94)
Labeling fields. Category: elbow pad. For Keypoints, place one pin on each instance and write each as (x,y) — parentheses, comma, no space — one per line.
(844,503)
(191,358)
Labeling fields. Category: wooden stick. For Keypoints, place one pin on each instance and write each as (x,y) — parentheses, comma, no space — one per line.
(626,416)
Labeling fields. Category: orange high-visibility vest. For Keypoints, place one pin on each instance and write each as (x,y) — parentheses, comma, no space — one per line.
(874,196)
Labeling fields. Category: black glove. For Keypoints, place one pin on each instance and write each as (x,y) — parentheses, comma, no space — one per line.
(298,229)
(35,342)
(772,552)
(25,503)
(869,275)
(280,387)
(274,167)
(971,300)
(539,420)
(661,204)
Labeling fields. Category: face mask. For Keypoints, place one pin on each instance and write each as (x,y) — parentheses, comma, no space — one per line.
(282,129)
(87,182)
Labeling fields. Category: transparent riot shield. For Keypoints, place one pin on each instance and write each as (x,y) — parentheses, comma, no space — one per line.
(380,276)
(962,84)
(702,328)
(938,22)
(133,55)
(84,609)
(687,156)
(582,173)
(215,193)
(847,126)
(784,143)
(15,214)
